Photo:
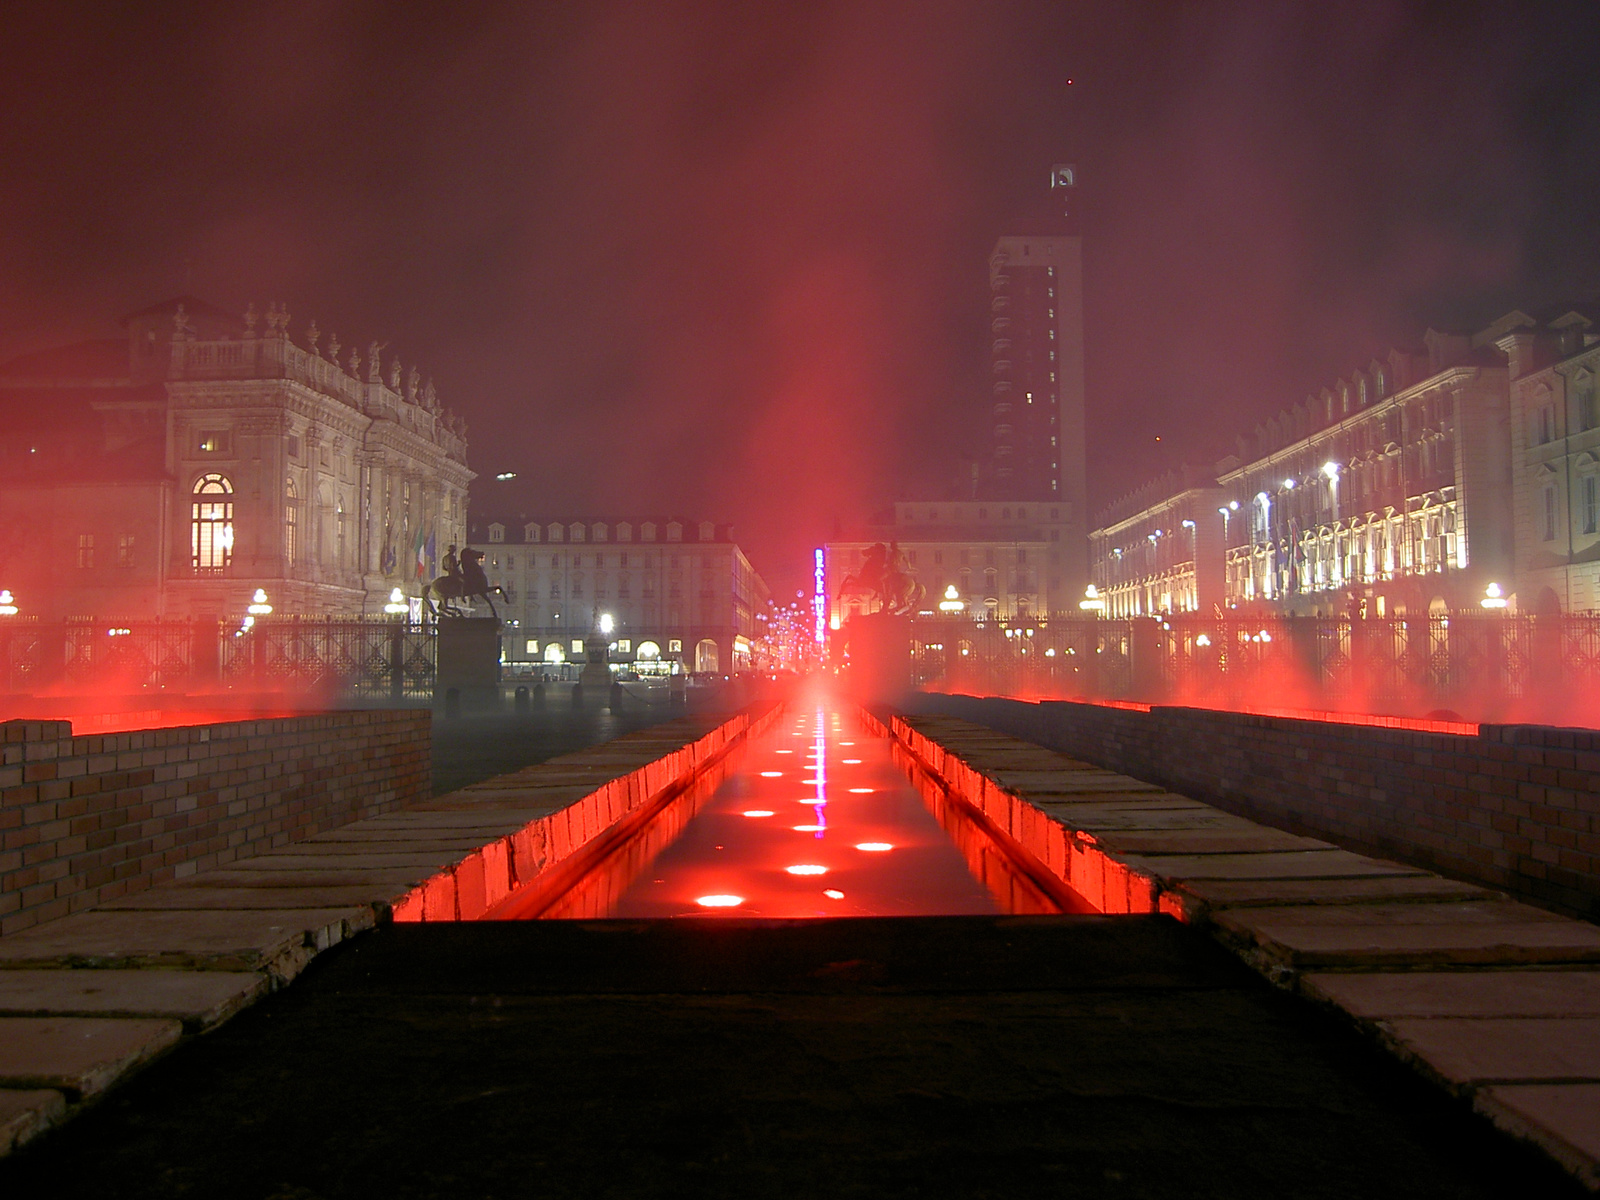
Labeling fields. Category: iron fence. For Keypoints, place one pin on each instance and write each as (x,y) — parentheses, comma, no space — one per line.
(1482,667)
(373,658)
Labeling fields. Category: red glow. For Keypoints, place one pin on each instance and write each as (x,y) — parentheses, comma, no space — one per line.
(90,719)
(703,847)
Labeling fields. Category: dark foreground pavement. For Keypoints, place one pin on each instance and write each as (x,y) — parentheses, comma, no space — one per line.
(973,1057)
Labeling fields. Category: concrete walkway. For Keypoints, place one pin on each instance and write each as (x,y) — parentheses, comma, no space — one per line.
(1494,1000)
(87,999)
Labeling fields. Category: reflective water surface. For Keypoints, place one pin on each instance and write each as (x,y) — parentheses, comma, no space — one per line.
(812,818)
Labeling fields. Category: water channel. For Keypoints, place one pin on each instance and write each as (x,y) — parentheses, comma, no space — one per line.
(814,817)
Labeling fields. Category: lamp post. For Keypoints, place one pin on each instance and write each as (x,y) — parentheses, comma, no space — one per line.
(8,603)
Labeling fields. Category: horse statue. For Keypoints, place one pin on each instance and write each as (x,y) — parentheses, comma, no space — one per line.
(469,583)
(886,578)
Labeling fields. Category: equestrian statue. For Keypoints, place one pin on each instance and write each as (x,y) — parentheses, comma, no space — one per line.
(885,577)
(465,581)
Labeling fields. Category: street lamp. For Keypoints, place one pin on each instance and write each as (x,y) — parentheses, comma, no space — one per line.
(397,605)
(952,602)
(1493,597)
(1092,601)
(8,603)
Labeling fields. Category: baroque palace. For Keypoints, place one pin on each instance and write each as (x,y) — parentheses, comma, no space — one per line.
(176,470)
(1422,483)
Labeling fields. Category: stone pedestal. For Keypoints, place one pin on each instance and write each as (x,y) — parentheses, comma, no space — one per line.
(879,667)
(469,662)
(596,674)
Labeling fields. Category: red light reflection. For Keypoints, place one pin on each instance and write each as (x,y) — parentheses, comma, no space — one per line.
(702,857)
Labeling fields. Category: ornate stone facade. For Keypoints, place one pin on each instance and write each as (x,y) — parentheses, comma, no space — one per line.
(213,456)
(1388,493)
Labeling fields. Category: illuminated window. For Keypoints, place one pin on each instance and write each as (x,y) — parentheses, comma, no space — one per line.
(86,550)
(215,441)
(674,646)
(291,521)
(531,646)
(624,645)
(211,525)
(577,645)
(125,550)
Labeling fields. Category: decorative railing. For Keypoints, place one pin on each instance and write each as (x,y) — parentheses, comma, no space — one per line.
(1490,667)
(375,658)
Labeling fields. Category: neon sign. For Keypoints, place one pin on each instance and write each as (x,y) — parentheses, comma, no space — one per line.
(819,600)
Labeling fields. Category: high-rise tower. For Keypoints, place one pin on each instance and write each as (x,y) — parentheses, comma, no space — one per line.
(1036,322)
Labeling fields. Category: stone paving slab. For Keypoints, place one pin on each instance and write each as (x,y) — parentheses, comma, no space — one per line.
(384,883)
(1503,1049)
(1181,841)
(1211,894)
(351,860)
(470,838)
(1379,947)
(280,941)
(1157,801)
(1110,818)
(1444,912)
(213,897)
(1294,864)
(199,999)
(1562,1118)
(78,1055)
(24,1114)
(1066,783)
(414,849)
(412,818)
(1460,993)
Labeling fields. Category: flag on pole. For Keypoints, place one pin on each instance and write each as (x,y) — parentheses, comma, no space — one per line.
(416,554)
(433,551)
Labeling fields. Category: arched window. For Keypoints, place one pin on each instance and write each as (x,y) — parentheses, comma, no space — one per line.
(211,525)
(291,521)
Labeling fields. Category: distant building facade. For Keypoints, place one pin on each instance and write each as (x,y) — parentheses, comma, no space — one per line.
(682,596)
(1007,560)
(1386,494)
(1555,452)
(1161,550)
(174,471)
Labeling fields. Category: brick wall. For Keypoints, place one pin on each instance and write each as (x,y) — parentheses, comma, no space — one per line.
(86,819)
(1516,807)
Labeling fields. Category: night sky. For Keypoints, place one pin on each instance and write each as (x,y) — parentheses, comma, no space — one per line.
(729,260)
